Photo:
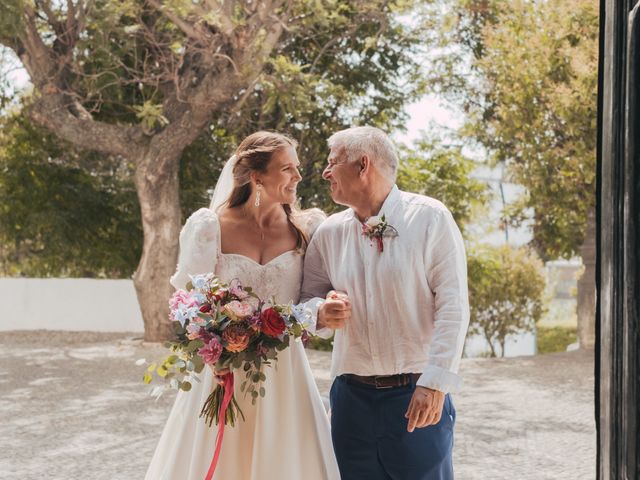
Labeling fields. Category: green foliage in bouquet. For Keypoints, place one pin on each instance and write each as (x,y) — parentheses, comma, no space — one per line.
(229,328)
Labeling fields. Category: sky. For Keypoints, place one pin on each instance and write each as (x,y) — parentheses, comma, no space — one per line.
(429,110)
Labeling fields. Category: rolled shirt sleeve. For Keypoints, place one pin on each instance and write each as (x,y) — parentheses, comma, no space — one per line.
(446,269)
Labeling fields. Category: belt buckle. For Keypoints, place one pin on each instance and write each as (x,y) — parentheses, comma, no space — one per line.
(379,386)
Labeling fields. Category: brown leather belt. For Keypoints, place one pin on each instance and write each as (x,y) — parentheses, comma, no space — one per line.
(385,381)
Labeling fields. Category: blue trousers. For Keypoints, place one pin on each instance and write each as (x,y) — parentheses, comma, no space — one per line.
(370,437)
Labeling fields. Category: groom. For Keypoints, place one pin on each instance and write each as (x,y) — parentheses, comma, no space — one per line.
(399,335)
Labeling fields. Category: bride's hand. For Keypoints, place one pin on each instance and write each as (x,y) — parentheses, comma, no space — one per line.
(219,372)
(335,311)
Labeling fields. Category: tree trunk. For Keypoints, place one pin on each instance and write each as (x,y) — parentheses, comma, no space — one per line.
(586,307)
(158,192)
(488,339)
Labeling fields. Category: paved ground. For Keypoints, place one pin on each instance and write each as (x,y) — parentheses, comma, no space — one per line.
(72,406)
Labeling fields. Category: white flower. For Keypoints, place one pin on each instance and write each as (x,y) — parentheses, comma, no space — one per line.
(373,222)
(184,313)
(303,315)
(238,310)
(199,282)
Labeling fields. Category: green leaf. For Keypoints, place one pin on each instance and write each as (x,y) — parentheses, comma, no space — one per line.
(150,114)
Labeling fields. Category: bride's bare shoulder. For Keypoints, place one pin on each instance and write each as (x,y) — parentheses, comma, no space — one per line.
(230,216)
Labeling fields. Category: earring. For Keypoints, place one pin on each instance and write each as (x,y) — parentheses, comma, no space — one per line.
(257,202)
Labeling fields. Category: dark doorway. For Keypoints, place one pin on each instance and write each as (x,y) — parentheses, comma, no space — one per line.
(618,323)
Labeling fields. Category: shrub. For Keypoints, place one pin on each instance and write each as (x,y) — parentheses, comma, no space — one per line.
(555,339)
(506,292)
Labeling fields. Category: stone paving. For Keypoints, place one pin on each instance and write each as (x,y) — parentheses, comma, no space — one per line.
(72,406)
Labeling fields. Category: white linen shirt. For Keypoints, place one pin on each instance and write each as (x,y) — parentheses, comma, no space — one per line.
(410,306)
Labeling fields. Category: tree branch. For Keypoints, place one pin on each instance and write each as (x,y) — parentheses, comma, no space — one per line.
(34,54)
(186,27)
(52,112)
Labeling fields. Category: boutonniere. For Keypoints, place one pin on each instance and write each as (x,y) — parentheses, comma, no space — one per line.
(376,228)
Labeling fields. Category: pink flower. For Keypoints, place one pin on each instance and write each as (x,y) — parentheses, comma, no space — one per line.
(238,310)
(235,288)
(182,297)
(211,351)
(195,330)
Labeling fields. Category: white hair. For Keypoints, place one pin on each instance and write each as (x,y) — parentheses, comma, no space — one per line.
(370,141)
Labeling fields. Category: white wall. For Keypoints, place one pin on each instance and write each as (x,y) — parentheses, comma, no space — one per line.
(515,345)
(69,304)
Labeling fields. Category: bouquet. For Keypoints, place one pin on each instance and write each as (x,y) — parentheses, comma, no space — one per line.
(229,327)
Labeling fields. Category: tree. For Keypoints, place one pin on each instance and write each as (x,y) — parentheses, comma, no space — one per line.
(60,212)
(444,173)
(525,72)
(142,80)
(506,289)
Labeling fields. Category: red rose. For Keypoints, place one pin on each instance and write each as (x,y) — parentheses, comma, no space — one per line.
(272,323)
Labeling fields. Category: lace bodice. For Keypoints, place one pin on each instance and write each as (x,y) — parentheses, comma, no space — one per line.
(280,278)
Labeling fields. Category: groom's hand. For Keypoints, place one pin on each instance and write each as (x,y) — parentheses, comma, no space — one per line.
(425,408)
(335,311)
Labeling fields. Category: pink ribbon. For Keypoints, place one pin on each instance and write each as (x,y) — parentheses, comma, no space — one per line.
(227,384)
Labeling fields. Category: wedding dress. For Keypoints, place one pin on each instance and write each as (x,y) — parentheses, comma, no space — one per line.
(285,435)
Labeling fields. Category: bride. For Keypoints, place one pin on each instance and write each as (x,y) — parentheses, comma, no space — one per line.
(251,232)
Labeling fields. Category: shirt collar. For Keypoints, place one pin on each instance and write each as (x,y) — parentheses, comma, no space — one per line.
(387,205)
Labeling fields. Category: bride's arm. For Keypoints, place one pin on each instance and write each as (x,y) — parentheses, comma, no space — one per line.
(198,247)
(315,286)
